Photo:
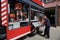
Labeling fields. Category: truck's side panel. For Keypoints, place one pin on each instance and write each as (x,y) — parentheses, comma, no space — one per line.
(19,32)
(14,33)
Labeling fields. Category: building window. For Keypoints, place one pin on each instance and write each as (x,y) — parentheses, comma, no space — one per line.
(48,0)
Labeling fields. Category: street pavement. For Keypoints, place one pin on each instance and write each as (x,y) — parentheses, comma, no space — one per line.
(54,35)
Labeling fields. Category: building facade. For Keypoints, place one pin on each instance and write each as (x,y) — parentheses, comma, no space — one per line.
(52,10)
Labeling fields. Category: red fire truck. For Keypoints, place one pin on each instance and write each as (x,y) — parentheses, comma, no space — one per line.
(16,17)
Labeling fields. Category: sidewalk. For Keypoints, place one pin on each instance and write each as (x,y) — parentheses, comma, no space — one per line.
(54,35)
(57,28)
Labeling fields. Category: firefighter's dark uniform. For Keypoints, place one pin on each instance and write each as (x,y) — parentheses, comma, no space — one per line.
(47,27)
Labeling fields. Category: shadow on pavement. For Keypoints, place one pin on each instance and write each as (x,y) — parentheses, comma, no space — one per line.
(29,35)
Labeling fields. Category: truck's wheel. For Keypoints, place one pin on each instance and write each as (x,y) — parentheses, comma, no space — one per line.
(34,31)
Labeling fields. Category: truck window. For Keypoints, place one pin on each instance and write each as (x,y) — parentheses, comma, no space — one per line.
(34,15)
(17,14)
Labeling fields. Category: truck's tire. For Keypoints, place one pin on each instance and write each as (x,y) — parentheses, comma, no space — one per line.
(34,31)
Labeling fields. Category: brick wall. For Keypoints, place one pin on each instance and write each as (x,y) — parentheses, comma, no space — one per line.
(52,4)
(59,17)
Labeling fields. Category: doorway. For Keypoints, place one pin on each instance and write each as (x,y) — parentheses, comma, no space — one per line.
(50,13)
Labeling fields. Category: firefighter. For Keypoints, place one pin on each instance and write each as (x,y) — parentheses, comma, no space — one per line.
(47,27)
